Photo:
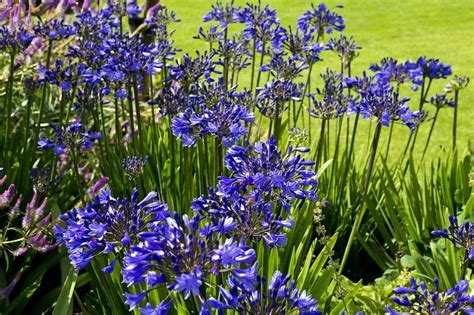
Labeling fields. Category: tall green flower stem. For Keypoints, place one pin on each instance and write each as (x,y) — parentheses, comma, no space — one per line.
(431,132)
(422,102)
(277,122)
(132,120)
(254,53)
(138,115)
(254,57)
(319,149)
(455,117)
(306,87)
(8,107)
(407,146)
(389,141)
(359,206)
(351,150)
(262,56)
(43,95)
(339,123)
(77,175)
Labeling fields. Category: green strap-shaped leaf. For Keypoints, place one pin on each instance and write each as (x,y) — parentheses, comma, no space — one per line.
(65,297)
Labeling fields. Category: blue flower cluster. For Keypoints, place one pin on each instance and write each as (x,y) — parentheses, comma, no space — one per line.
(320,20)
(71,137)
(345,48)
(261,169)
(419,299)
(334,102)
(213,111)
(390,70)
(280,297)
(275,94)
(106,225)
(378,99)
(433,68)
(460,235)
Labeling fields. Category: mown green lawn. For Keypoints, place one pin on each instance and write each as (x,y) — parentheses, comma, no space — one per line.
(399,29)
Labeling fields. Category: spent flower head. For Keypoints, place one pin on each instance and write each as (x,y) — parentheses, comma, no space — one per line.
(457,84)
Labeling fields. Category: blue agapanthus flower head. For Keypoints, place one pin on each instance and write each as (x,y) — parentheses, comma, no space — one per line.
(249,218)
(106,224)
(214,111)
(345,47)
(71,137)
(54,30)
(433,69)
(277,93)
(419,299)
(441,100)
(333,102)
(179,252)
(16,40)
(263,27)
(320,20)
(279,296)
(461,235)
(304,46)
(390,70)
(190,71)
(284,67)
(378,99)
(224,14)
(233,53)
(262,169)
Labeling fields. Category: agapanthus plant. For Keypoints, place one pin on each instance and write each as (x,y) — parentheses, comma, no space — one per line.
(334,102)
(262,27)
(418,298)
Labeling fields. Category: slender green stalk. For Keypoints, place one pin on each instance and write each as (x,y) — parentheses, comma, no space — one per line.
(277,122)
(76,175)
(8,107)
(351,150)
(138,114)
(319,149)
(360,205)
(455,117)
(254,52)
(430,133)
(262,56)
(132,120)
(407,146)
(43,97)
(422,102)
(391,130)
(306,87)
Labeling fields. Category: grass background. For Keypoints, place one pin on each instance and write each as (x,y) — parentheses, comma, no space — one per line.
(398,29)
